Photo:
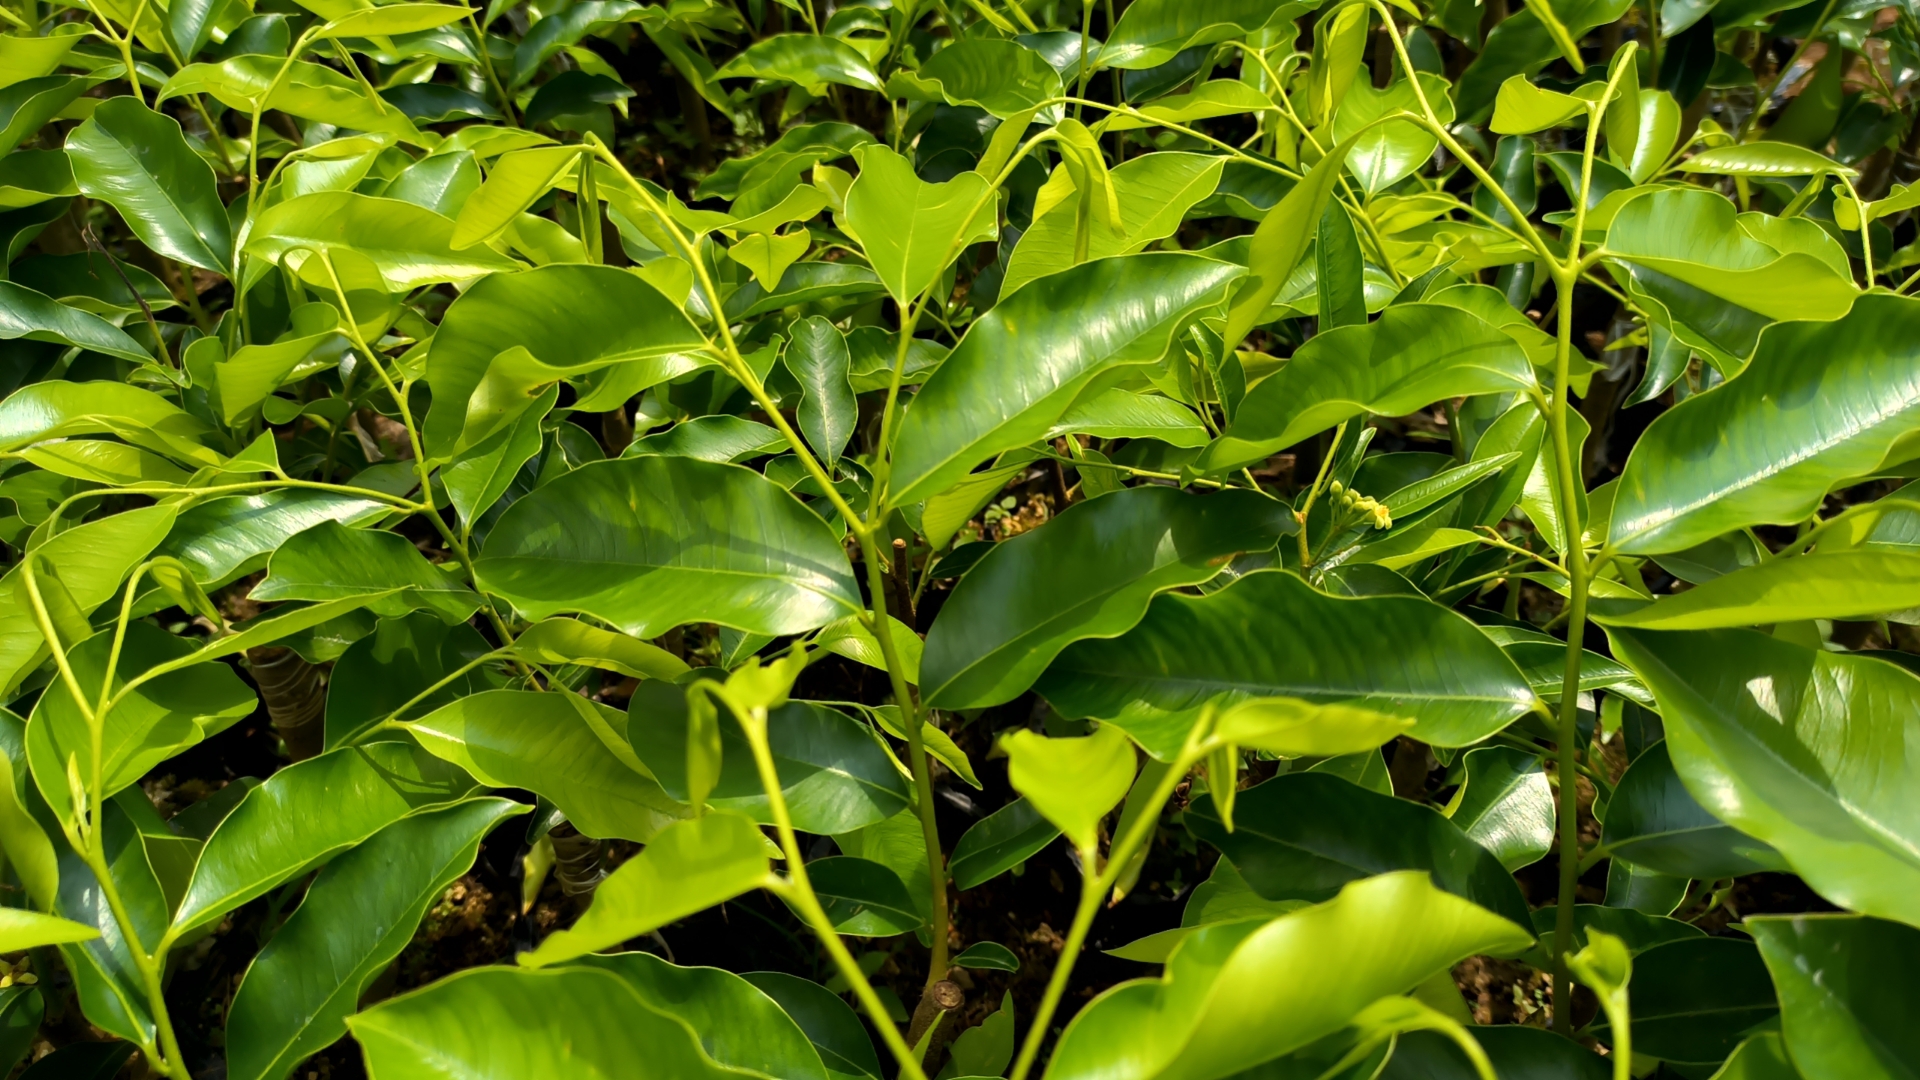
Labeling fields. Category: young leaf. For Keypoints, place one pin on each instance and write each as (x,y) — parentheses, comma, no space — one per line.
(687,867)
(911,229)
(1072,782)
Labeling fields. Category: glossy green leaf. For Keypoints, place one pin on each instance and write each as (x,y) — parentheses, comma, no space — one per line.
(1384,155)
(307,90)
(357,915)
(1695,1000)
(32,177)
(1123,414)
(686,867)
(804,60)
(1005,78)
(862,898)
(137,160)
(1653,822)
(1516,1051)
(218,537)
(835,775)
(1043,350)
(475,1025)
(1152,32)
(987,956)
(106,979)
(91,560)
(1039,592)
(333,562)
(515,182)
(26,105)
(649,543)
(911,229)
(1392,654)
(391,19)
(1793,747)
(1761,1057)
(21,929)
(1847,584)
(1847,986)
(1155,192)
(409,245)
(739,1025)
(849,637)
(1237,994)
(35,316)
(402,659)
(1072,782)
(999,842)
(720,439)
(570,641)
(1301,836)
(24,56)
(1506,805)
(82,1061)
(818,358)
(829,1023)
(1411,356)
(573,755)
(268,838)
(30,851)
(1764,159)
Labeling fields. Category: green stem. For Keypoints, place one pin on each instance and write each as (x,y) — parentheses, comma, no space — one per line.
(1086,28)
(1300,515)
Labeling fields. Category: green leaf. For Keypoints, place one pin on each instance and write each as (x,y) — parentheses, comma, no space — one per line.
(986,1049)
(1522,108)
(1695,999)
(29,852)
(849,637)
(818,358)
(357,915)
(1280,242)
(1237,994)
(1653,822)
(333,562)
(1820,405)
(1715,277)
(1761,1057)
(1386,154)
(106,979)
(91,560)
(1399,655)
(987,956)
(570,641)
(1089,573)
(32,177)
(910,229)
(61,409)
(687,867)
(401,659)
(568,321)
(573,755)
(1124,414)
(25,57)
(1152,32)
(480,476)
(1003,77)
(999,842)
(495,1023)
(835,775)
(1516,1051)
(392,19)
(805,60)
(1155,191)
(1764,159)
(216,539)
(862,898)
(1847,584)
(1073,782)
(1411,356)
(1522,44)
(803,283)
(410,246)
(721,439)
(1786,744)
(26,106)
(1301,836)
(1848,986)
(1041,351)
(516,181)
(1506,805)
(829,1023)
(307,90)
(82,1061)
(21,1010)
(155,721)
(273,835)
(137,160)
(649,543)
(35,316)
(21,929)
(739,1025)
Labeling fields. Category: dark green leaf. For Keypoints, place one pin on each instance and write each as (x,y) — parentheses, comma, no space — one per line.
(1653,822)
(999,842)
(1848,987)
(1694,1000)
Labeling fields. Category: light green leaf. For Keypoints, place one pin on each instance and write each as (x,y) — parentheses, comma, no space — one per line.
(1847,986)
(1155,191)
(1792,747)
(1152,32)
(574,755)
(1848,584)
(1072,782)
(911,229)
(805,60)
(649,543)
(1821,405)
(21,929)
(410,246)
(819,359)
(91,561)
(687,867)
(25,313)
(570,641)
(739,1024)
(1237,994)
(307,90)
(390,19)
(1042,351)
(1382,156)
(137,160)
(1003,77)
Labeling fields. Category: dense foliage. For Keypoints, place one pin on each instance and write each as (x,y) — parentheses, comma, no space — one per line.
(1170,539)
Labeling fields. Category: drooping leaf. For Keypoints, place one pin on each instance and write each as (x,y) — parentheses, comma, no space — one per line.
(1041,351)
(686,867)
(1792,747)
(648,543)
(1237,994)
(1301,836)
(1090,573)
(1273,635)
(307,90)
(1847,985)
(409,245)
(269,837)
(575,755)
(356,917)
